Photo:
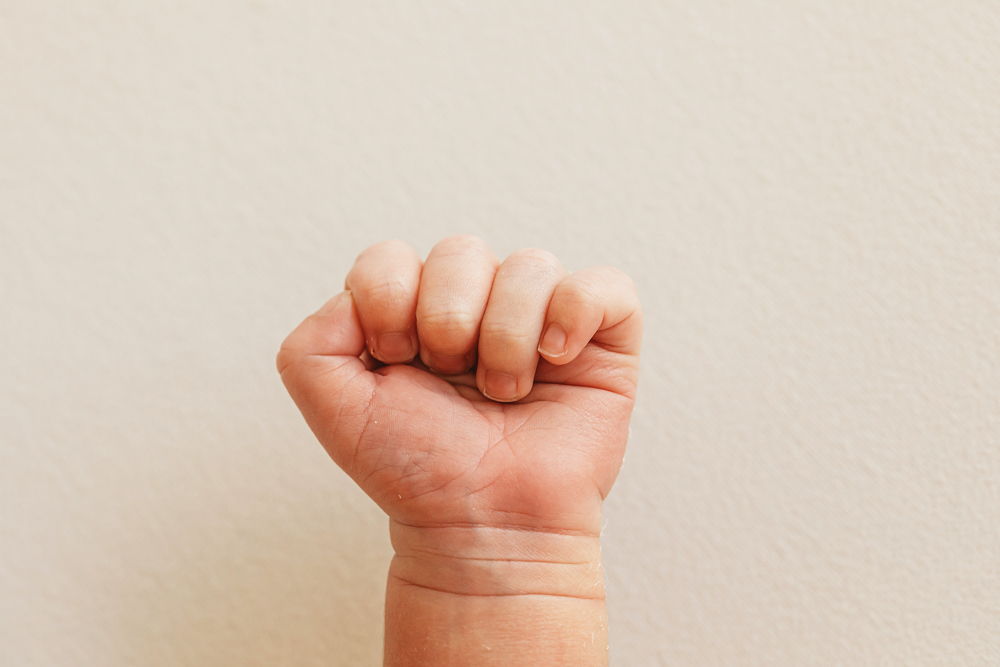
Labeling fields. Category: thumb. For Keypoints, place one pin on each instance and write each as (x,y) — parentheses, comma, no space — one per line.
(320,365)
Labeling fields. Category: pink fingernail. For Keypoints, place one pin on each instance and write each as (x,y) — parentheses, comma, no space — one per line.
(447,364)
(553,343)
(394,348)
(500,386)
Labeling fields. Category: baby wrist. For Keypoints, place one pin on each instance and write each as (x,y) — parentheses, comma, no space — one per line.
(477,560)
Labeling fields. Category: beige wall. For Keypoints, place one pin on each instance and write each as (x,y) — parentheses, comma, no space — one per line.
(807,194)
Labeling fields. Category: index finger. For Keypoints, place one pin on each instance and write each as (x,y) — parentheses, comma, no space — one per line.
(385,280)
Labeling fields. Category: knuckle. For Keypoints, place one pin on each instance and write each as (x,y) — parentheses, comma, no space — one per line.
(390,291)
(503,331)
(461,244)
(536,260)
(449,323)
(616,274)
(600,282)
(391,246)
(581,290)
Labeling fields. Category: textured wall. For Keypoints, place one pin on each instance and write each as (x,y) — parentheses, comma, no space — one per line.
(808,195)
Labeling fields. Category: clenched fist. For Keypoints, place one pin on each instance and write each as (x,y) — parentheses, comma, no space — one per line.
(484,406)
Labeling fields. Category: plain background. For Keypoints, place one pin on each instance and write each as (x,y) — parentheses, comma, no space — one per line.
(807,195)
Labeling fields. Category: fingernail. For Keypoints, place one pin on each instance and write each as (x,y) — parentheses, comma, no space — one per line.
(500,386)
(447,364)
(394,348)
(553,343)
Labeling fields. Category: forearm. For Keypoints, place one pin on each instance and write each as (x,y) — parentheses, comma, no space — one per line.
(465,595)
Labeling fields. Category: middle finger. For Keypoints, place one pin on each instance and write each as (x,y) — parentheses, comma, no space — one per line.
(512,325)
(454,288)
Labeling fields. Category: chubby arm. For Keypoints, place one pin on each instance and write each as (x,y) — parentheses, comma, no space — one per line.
(484,406)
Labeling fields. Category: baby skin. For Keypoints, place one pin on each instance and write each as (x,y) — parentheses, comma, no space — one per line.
(484,406)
